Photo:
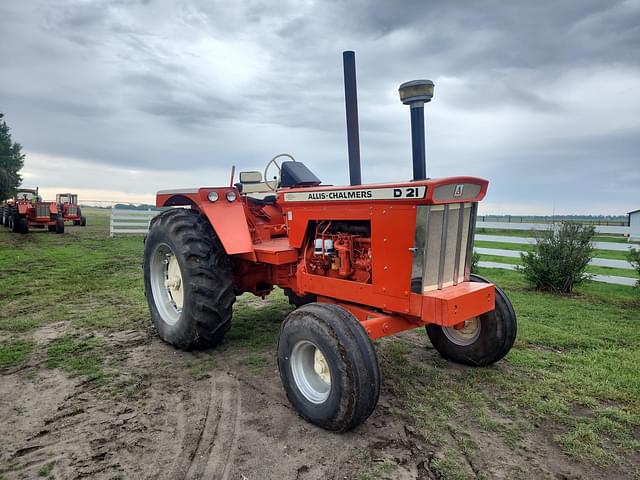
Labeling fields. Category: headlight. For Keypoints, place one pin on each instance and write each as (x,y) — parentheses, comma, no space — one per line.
(213,196)
(231,196)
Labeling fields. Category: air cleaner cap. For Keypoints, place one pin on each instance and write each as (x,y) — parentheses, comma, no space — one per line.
(416,91)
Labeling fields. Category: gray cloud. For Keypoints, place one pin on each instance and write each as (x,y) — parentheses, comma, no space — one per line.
(539,97)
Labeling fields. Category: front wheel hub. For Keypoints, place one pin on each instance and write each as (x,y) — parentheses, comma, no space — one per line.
(465,333)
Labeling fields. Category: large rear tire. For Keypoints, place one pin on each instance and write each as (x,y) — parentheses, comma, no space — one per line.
(328,366)
(59,225)
(483,340)
(187,280)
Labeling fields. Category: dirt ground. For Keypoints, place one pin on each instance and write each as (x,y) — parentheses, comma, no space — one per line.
(229,422)
(210,415)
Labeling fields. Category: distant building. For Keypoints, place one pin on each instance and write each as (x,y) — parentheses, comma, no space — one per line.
(634,226)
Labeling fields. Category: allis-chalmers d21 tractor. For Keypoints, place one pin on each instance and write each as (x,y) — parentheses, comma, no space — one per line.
(69,208)
(361,262)
(27,210)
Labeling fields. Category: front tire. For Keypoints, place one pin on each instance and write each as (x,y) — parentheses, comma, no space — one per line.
(188,280)
(23,225)
(83,221)
(483,340)
(328,366)
(14,223)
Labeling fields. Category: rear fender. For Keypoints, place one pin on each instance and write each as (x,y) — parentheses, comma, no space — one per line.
(228,219)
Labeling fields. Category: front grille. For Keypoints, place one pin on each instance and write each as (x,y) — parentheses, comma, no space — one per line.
(42,210)
(72,210)
(447,244)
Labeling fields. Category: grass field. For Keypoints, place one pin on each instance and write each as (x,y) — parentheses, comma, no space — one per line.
(565,400)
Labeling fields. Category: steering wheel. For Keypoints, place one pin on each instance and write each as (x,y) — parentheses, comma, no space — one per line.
(273,184)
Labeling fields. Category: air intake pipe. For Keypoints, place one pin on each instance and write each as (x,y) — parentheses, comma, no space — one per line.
(415,94)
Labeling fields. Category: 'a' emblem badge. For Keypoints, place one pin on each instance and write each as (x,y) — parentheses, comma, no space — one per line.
(458,191)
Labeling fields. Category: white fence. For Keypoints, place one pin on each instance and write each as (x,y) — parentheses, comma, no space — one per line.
(544,226)
(496,251)
(130,221)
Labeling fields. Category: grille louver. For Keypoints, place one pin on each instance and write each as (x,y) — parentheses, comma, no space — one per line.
(448,244)
(42,210)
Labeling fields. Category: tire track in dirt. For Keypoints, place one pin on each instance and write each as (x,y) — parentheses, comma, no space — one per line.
(209,443)
(222,453)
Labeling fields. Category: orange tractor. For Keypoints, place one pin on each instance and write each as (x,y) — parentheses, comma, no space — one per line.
(69,208)
(360,262)
(27,210)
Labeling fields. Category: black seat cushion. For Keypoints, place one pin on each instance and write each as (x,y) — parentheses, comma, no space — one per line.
(296,174)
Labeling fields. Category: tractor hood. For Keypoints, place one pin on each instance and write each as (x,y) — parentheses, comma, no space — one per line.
(433,191)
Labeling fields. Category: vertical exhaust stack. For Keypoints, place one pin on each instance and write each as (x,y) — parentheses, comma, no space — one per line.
(415,94)
(351,104)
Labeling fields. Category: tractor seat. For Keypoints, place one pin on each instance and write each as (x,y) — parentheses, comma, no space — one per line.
(251,184)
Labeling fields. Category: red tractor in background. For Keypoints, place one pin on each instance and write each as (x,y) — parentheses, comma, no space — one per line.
(27,210)
(360,262)
(69,209)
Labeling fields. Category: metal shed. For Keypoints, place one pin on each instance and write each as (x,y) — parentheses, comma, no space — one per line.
(634,225)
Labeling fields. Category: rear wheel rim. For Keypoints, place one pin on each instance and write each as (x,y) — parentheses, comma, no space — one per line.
(310,371)
(166,284)
(465,336)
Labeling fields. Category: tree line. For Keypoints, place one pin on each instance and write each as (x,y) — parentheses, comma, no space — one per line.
(11,162)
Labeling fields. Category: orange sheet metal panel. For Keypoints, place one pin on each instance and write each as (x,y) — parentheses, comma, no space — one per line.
(355,292)
(453,305)
(276,252)
(392,237)
(230,224)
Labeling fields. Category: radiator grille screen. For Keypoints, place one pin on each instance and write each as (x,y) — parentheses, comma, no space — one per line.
(443,245)
(42,210)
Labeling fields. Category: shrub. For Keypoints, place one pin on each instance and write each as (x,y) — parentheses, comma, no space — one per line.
(475,260)
(559,258)
(634,259)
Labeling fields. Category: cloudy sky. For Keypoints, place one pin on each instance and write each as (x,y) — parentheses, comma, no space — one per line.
(117,99)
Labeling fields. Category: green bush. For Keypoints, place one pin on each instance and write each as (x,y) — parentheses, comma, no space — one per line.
(475,260)
(634,259)
(559,258)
